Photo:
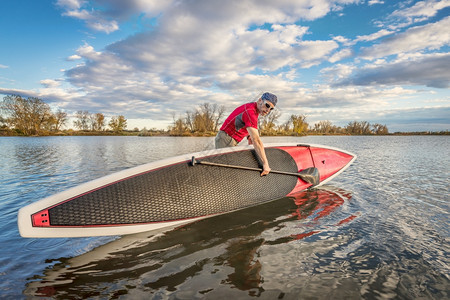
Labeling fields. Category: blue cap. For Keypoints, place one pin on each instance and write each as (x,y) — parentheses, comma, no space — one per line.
(270,97)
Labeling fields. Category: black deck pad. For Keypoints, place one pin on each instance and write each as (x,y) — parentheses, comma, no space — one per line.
(180,191)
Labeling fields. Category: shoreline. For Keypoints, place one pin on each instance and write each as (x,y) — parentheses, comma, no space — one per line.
(10,133)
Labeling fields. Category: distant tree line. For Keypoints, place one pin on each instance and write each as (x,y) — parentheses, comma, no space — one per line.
(96,122)
(32,116)
(206,119)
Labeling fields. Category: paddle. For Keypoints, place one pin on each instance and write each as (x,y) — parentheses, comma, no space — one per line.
(309,175)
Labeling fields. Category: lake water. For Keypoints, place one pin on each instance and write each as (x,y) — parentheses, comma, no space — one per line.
(380,230)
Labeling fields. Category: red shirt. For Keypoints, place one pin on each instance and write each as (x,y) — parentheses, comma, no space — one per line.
(242,117)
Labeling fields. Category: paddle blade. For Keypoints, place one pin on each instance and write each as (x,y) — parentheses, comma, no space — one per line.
(310,175)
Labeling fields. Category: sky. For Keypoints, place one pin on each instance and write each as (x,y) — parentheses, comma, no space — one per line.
(385,62)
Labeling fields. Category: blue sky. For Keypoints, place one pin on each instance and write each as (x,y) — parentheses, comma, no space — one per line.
(380,61)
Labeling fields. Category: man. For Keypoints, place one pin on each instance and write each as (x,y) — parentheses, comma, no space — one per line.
(243,122)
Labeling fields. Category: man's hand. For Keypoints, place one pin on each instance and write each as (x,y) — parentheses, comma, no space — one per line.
(266,170)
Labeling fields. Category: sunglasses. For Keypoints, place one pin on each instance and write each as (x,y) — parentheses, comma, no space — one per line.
(268,105)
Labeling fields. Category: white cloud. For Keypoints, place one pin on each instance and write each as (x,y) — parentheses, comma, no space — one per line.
(52,93)
(74,57)
(3,66)
(341,39)
(70,4)
(342,54)
(21,92)
(431,36)
(432,70)
(88,52)
(420,11)
(50,83)
(103,25)
(289,34)
(428,8)
(337,72)
(373,2)
(94,19)
(105,16)
(374,36)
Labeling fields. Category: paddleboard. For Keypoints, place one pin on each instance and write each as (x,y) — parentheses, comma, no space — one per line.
(174,191)
(290,217)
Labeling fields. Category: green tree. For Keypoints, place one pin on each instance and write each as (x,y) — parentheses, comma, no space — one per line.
(326,127)
(97,122)
(358,128)
(380,129)
(299,124)
(267,124)
(3,123)
(285,128)
(118,123)
(179,126)
(82,120)
(28,116)
(205,119)
(60,119)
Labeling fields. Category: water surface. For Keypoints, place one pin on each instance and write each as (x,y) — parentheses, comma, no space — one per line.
(378,231)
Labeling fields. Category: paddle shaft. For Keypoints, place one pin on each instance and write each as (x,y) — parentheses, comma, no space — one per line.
(245,168)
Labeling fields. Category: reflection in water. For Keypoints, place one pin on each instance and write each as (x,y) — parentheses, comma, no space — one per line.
(215,256)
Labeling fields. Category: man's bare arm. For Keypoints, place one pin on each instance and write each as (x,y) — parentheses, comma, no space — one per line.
(259,148)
